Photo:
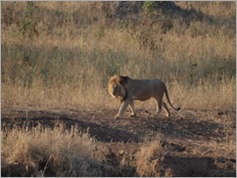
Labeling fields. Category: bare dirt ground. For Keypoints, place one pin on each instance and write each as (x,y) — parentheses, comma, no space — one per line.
(197,142)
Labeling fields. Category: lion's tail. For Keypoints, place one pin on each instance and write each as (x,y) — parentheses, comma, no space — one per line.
(168,99)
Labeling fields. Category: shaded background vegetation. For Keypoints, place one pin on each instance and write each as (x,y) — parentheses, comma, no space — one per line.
(56,53)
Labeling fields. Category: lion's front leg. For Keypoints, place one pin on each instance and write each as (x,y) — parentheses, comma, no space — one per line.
(122,108)
(131,106)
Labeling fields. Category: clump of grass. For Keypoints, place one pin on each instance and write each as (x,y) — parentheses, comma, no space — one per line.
(149,157)
(53,152)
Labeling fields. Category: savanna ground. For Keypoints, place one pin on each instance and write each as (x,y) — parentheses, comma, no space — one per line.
(56,113)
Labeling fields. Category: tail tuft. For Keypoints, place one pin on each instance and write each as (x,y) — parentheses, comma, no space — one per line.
(178,109)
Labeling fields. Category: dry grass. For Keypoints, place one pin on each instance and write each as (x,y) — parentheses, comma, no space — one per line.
(54,57)
(162,157)
(55,151)
(205,96)
(68,56)
(150,153)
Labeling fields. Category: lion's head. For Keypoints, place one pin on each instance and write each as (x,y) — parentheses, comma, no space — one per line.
(116,86)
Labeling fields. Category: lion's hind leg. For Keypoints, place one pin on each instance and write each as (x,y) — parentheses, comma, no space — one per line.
(161,105)
(166,109)
(158,105)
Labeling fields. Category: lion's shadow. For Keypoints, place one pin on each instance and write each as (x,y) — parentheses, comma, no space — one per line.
(189,128)
(101,133)
(134,130)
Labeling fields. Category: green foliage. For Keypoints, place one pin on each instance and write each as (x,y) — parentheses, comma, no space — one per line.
(27,23)
(148,7)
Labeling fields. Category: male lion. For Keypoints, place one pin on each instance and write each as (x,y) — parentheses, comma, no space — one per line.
(127,90)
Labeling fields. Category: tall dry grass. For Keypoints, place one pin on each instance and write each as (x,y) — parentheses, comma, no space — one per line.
(49,152)
(150,153)
(63,57)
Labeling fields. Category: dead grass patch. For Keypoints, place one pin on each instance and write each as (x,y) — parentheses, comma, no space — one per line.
(55,152)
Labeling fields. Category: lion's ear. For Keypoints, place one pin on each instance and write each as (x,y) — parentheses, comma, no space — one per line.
(123,79)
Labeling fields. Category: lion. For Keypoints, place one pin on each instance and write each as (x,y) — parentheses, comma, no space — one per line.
(127,90)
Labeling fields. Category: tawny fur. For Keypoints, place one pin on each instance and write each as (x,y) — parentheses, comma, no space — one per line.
(127,90)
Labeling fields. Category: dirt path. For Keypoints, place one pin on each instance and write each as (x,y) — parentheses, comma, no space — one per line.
(193,137)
